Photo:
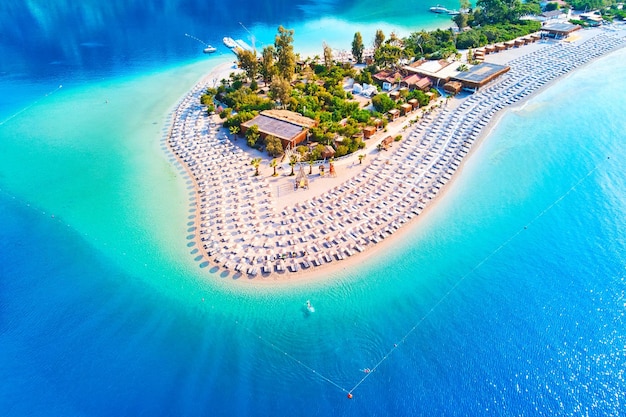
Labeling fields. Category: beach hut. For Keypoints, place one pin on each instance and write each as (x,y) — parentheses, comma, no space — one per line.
(368,131)
(406,108)
(393,114)
(414,103)
(328,152)
(453,87)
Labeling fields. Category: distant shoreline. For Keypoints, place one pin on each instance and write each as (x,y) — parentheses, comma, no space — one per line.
(244,232)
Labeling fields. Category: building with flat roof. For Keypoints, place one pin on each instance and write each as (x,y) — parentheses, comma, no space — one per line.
(560,30)
(479,75)
(439,71)
(291,128)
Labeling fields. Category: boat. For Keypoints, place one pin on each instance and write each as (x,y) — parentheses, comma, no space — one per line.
(229,42)
(453,12)
(439,9)
(209,49)
(310,307)
(243,45)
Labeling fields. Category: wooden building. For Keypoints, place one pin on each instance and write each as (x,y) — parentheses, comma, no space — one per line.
(291,128)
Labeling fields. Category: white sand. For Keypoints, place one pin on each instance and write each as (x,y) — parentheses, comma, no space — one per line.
(245,222)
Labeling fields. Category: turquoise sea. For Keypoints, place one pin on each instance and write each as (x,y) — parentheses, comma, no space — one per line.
(506,299)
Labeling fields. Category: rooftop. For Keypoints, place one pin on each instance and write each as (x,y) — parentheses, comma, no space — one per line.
(481,73)
(441,69)
(289,116)
(269,125)
(563,28)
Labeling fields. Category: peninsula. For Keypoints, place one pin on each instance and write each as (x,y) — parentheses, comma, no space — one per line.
(275,227)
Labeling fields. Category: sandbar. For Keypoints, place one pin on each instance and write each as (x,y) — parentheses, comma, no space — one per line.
(263,229)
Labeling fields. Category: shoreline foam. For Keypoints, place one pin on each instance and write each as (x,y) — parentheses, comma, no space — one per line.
(248,227)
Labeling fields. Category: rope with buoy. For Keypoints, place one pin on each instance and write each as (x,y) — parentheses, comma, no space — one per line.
(471,271)
(31,105)
(298,361)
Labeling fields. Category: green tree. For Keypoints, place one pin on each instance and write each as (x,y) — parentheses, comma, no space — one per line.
(589,4)
(273,145)
(252,135)
(273,164)
(256,162)
(311,162)
(361,158)
(293,160)
(280,89)
(267,66)
(341,151)
(328,56)
(388,55)
(383,103)
(285,57)
(461,20)
(233,131)
(358,47)
(379,39)
(249,63)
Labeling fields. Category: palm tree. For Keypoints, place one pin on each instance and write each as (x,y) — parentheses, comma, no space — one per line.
(233,131)
(273,164)
(361,158)
(292,162)
(256,162)
(311,162)
(380,147)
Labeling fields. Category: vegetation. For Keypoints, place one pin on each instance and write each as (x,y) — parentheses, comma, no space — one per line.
(285,57)
(590,4)
(379,38)
(256,162)
(500,32)
(273,146)
(613,13)
(315,88)
(358,47)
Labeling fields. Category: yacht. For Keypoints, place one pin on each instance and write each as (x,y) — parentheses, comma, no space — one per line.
(439,9)
(209,49)
(229,42)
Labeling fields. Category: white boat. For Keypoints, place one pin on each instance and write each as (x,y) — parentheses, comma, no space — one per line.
(310,307)
(209,49)
(438,9)
(229,42)
(243,45)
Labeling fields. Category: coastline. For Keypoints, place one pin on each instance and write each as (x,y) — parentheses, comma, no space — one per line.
(488,120)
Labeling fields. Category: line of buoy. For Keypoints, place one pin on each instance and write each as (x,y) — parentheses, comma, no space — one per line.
(31,105)
(473,269)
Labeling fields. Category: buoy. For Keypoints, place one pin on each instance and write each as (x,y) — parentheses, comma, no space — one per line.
(350,395)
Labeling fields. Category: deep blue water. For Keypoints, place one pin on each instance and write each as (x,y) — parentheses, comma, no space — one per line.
(507,299)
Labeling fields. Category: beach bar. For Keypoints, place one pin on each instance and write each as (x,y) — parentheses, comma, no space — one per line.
(291,128)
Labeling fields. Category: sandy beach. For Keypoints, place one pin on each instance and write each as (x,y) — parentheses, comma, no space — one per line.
(262,229)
